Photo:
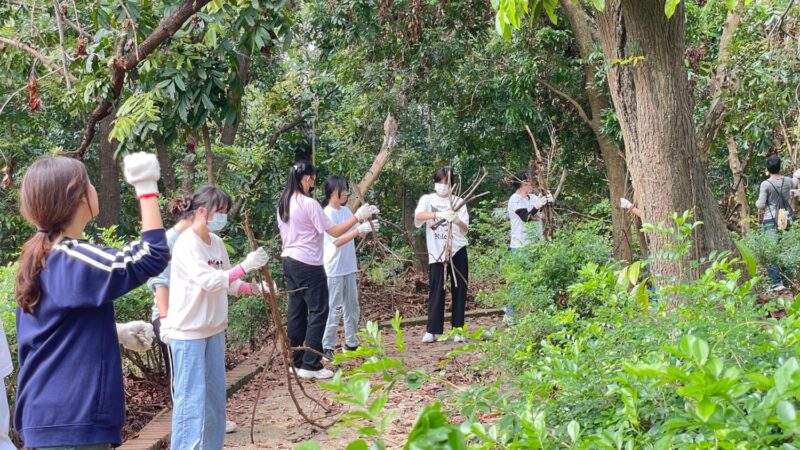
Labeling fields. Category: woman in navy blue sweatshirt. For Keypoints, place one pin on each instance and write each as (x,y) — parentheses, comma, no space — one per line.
(70,390)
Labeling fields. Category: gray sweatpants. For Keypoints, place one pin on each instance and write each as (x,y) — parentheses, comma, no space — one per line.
(342,301)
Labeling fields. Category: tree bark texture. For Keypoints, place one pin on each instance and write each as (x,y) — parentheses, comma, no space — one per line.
(419,245)
(654,107)
(108,188)
(167,170)
(586,35)
(228,135)
(189,162)
(209,156)
(389,143)
(739,185)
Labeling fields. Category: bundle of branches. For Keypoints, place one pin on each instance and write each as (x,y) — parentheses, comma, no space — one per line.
(540,168)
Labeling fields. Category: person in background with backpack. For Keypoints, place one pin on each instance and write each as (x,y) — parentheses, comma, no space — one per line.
(773,202)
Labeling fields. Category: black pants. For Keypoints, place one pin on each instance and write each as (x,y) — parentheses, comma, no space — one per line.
(308,310)
(164,349)
(436,275)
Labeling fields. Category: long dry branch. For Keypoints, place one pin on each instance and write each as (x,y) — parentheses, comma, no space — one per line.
(33,52)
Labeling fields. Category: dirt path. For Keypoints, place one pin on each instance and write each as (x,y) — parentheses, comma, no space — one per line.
(278,426)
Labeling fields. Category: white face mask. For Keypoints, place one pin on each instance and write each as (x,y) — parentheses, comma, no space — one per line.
(217,222)
(441,189)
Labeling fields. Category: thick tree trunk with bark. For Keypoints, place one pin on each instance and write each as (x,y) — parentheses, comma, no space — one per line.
(228,135)
(389,143)
(167,171)
(108,188)
(420,247)
(653,104)
(189,162)
(585,32)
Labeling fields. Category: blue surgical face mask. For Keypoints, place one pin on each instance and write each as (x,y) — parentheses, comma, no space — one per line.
(218,222)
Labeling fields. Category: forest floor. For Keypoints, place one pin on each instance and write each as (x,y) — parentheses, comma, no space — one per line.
(277,423)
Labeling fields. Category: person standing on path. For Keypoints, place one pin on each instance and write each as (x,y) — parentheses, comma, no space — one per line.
(201,278)
(523,209)
(446,244)
(302,224)
(69,388)
(773,200)
(341,265)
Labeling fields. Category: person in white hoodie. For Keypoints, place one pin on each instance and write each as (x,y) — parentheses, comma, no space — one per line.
(201,279)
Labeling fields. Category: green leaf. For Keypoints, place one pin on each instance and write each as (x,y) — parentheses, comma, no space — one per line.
(669,10)
(784,374)
(786,412)
(705,409)
(358,445)
(695,347)
(748,257)
(574,430)
(308,445)
(599,5)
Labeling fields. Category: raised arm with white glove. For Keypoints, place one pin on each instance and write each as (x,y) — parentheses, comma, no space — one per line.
(448,215)
(369,227)
(366,211)
(136,335)
(142,172)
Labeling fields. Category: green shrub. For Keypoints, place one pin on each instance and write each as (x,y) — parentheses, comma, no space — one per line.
(783,252)
(247,321)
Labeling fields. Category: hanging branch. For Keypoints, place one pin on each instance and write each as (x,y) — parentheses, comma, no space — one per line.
(271,303)
(539,169)
(26,48)
(60,27)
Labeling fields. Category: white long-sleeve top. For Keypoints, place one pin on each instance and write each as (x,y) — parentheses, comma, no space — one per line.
(199,287)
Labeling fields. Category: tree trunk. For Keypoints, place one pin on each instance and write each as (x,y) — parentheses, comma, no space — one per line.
(419,245)
(389,143)
(167,171)
(189,162)
(209,156)
(653,104)
(228,135)
(108,189)
(739,185)
(585,32)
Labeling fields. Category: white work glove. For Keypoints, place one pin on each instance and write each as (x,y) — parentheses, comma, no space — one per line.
(142,172)
(366,211)
(796,174)
(368,227)
(624,203)
(263,287)
(448,216)
(164,333)
(545,200)
(256,259)
(137,335)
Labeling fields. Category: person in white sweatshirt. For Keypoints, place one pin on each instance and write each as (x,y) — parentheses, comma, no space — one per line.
(200,280)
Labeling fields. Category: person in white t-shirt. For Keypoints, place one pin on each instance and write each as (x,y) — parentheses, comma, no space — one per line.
(201,279)
(6,367)
(339,259)
(442,245)
(523,209)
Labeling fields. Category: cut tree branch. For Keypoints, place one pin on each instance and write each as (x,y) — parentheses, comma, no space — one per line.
(571,100)
(60,26)
(389,143)
(120,66)
(33,52)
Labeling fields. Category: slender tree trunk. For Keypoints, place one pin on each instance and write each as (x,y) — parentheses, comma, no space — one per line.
(189,163)
(420,247)
(228,135)
(585,32)
(108,188)
(739,185)
(653,104)
(389,143)
(167,171)
(209,156)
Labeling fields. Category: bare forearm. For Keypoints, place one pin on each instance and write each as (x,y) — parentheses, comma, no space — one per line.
(162,300)
(345,238)
(342,228)
(151,215)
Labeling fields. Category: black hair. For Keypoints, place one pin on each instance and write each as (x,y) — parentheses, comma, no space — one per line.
(293,186)
(208,197)
(519,178)
(774,164)
(442,175)
(333,184)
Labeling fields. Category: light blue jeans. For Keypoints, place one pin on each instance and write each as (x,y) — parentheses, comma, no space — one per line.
(342,303)
(198,393)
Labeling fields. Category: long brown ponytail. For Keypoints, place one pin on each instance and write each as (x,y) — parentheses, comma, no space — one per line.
(51,192)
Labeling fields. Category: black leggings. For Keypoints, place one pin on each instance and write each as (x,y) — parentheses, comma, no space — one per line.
(307,312)
(436,300)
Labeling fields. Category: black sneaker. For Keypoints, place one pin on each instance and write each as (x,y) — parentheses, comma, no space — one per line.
(328,354)
(347,348)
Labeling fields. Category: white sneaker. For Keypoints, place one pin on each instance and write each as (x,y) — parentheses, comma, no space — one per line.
(459,338)
(428,338)
(778,288)
(321,374)
(230,426)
